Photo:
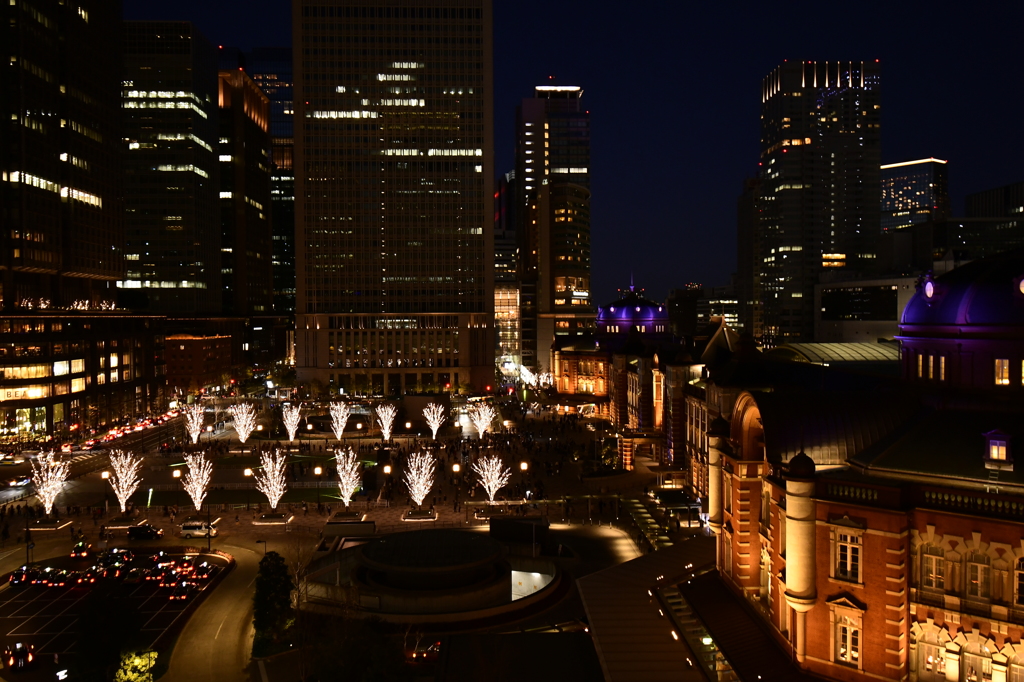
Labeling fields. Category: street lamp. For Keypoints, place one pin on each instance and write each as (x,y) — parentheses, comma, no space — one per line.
(523,466)
(105,475)
(259,430)
(247,472)
(317,471)
(209,434)
(175,474)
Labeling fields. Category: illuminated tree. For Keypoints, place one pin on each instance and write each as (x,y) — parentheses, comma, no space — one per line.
(493,474)
(194,420)
(340,412)
(136,666)
(527,376)
(482,416)
(434,414)
(386,416)
(197,479)
(349,476)
(291,414)
(245,419)
(125,477)
(48,475)
(419,476)
(270,480)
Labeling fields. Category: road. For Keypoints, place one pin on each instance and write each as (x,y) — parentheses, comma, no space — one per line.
(216,643)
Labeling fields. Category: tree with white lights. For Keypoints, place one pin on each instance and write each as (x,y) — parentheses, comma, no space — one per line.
(340,412)
(434,415)
(125,477)
(48,475)
(386,416)
(349,476)
(291,414)
(270,480)
(482,416)
(197,479)
(419,476)
(194,420)
(244,415)
(493,474)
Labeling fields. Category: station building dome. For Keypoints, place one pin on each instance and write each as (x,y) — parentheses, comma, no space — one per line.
(966,328)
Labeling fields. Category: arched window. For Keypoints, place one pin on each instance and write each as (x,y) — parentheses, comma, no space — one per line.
(931,652)
(976,663)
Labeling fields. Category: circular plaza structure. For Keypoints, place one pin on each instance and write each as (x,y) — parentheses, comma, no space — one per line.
(429,574)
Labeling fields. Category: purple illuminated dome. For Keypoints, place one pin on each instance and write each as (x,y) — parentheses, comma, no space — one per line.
(632,310)
(989,292)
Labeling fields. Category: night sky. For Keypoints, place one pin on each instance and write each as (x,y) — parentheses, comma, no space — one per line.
(674,94)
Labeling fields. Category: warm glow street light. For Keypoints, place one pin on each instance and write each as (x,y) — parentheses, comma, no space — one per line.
(106,474)
(316,472)
(387,469)
(247,472)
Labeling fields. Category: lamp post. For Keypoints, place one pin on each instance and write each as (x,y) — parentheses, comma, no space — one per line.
(259,431)
(309,435)
(209,434)
(175,474)
(247,473)
(456,468)
(387,479)
(317,471)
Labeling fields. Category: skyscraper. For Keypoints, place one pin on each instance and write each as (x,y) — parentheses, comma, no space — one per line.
(271,68)
(506,286)
(914,192)
(61,220)
(173,226)
(818,206)
(245,195)
(393,195)
(553,209)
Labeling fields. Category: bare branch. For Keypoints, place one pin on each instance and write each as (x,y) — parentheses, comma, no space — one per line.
(493,474)
(48,475)
(125,477)
(270,480)
(482,416)
(244,415)
(291,414)
(197,478)
(349,476)
(194,416)
(419,476)
(435,417)
(386,417)
(340,412)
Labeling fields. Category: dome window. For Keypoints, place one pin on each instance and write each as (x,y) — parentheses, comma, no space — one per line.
(997,451)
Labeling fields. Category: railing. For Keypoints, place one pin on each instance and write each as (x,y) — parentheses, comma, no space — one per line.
(987,504)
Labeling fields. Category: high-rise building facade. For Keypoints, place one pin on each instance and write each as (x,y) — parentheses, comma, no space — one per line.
(506,285)
(61,216)
(818,206)
(244,148)
(173,231)
(553,210)
(393,195)
(271,68)
(914,192)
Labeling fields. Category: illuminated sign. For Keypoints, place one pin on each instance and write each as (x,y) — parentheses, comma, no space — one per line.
(23,393)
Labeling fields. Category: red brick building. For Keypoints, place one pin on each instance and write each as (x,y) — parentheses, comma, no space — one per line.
(195,362)
(881,534)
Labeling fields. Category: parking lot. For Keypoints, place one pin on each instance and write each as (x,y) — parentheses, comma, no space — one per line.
(47,616)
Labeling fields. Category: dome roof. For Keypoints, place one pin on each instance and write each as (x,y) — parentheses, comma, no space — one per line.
(801,466)
(632,308)
(989,291)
